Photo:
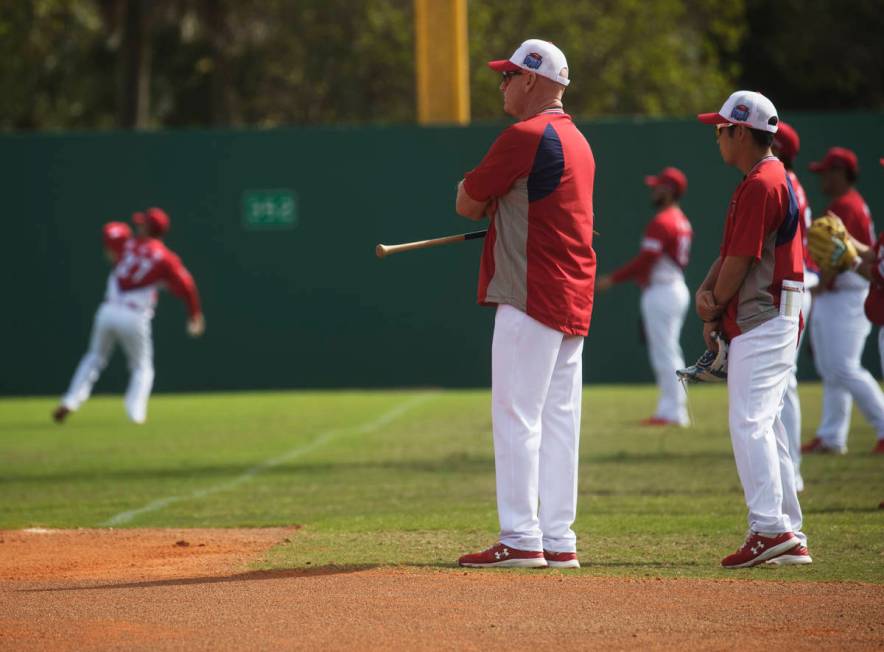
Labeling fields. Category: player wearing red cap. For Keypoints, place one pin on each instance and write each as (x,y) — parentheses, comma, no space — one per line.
(659,270)
(870,265)
(786,145)
(839,327)
(752,294)
(142,265)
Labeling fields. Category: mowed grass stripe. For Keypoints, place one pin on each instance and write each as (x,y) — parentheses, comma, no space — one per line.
(320,440)
(420,489)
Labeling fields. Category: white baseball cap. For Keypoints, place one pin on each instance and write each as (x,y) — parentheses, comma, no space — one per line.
(534,55)
(747,108)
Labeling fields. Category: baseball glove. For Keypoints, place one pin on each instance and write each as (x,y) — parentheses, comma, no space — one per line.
(710,368)
(830,245)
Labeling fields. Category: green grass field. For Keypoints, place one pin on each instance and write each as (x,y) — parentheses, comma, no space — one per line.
(388,478)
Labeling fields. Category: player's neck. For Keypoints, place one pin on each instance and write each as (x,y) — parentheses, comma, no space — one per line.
(839,191)
(751,158)
(545,104)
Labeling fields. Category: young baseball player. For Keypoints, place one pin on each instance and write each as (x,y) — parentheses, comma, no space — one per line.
(538,267)
(786,145)
(659,271)
(752,295)
(839,327)
(143,265)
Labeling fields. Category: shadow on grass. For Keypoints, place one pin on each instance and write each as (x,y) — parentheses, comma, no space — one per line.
(250,576)
(465,464)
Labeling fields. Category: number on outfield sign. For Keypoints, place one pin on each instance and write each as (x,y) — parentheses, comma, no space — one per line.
(269,209)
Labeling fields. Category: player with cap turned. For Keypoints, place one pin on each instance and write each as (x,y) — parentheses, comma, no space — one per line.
(659,271)
(142,265)
(839,327)
(535,185)
(786,145)
(752,295)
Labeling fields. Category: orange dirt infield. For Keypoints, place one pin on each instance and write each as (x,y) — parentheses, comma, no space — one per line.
(190,589)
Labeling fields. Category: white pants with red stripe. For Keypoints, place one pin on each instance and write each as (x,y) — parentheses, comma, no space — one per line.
(537,381)
(663,307)
(759,365)
(791,415)
(131,329)
(838,332)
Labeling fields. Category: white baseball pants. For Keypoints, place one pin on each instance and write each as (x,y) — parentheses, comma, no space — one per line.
(537,381)
(759,365)
(838,333)
(663,308)
(116,323)
(791,415)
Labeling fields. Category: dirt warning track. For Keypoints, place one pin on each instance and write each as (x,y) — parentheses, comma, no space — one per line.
(177,589)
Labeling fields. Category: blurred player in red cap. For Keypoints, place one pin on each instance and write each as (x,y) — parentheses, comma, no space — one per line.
(839,327)
(871,266)
(659,271)
(142,265)
(786,145)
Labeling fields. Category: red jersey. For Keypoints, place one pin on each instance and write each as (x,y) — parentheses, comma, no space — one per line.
(762,222)
(146,265)
(875,299)
(664,252)
(538,254)
(805,215)
(854,212)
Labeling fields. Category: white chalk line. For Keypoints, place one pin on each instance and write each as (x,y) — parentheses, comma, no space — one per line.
(161,503)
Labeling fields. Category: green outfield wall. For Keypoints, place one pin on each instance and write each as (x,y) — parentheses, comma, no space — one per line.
(279,228)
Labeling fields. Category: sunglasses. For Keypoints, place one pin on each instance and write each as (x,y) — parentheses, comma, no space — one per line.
(720,128)
(509,74)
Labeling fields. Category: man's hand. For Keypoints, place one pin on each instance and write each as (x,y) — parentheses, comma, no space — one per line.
(196,325)
(707,309)
(709,328)
(604,283)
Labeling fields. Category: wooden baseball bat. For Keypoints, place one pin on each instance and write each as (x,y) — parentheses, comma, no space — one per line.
(383,250)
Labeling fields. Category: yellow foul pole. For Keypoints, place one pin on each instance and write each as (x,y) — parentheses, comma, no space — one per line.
(442,61)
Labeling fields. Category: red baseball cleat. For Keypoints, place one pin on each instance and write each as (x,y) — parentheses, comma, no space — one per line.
(879,448)
(501,556)
(561,559)
(759,548)
(60,414)
(817,445)
(796,556)
(659,421)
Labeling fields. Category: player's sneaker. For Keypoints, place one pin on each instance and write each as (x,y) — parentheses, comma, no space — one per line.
(60,414)
(817,445)
(758,548)
(794,557)
(659,421)
(879,448)
(501,556)
(561,559)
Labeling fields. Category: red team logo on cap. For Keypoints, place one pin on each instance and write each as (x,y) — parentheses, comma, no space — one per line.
(533,61)
(740,112)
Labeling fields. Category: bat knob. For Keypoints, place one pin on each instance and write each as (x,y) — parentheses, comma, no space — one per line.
(380,251)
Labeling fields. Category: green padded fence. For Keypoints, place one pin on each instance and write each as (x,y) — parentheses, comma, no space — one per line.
(279,228)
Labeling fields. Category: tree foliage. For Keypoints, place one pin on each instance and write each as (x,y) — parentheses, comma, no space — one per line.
(625,56)
(94,64)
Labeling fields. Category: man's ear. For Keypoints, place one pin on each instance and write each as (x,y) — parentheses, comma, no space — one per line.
(531,81)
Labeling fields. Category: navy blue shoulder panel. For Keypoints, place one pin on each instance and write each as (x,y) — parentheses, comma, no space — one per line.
(549,164)
(787,229)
